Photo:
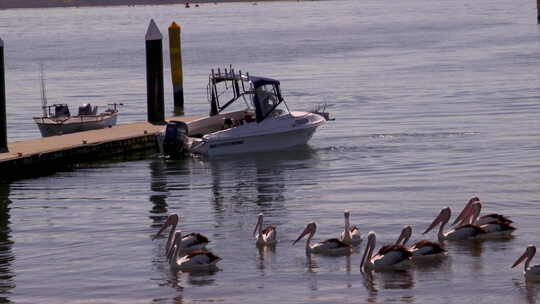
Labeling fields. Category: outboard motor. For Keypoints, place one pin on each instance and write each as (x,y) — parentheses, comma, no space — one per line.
(61,110)
(175,138)
(85,109)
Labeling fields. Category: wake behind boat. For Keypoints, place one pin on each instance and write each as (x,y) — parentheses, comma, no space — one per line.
(263,121)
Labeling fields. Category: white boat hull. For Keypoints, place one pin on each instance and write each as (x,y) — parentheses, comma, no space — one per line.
(260,137)
(269,142)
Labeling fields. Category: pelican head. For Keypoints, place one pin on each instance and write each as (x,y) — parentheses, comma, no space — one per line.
(475,210)
(347,213)
(172,220)
(528,254)
(311,228)
(470,213)
(465,210)
(404,236)
(443,217)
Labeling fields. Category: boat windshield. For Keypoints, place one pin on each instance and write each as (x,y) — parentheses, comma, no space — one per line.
(257,93)
(268,99)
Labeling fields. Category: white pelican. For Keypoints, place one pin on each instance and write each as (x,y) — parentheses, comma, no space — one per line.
(495,228)
(532,272)
(485,219)
(330,246)
(423,249)
(193,261)
(266,236)
(190,242)
(459,233)
(390,257)
(350,235)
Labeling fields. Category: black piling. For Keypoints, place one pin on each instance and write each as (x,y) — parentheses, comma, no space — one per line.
(154,74)
(538,10)
(3,124)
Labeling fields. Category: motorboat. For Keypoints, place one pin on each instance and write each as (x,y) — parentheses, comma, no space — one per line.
(57,120)
(248,114)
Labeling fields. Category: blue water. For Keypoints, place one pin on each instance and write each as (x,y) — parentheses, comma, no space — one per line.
(435,102)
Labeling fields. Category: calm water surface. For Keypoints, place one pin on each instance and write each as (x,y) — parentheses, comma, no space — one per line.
(434,102)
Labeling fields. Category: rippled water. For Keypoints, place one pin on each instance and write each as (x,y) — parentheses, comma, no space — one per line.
(434,102)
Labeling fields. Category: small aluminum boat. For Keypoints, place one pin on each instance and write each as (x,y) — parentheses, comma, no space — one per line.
(58,120)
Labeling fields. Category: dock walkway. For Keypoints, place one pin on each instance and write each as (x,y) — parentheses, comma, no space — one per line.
(34,156)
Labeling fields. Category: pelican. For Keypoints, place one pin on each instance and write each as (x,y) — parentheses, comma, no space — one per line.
(266,236)
(496,228)
(390,257)
(195,260)
(330,246)
(463,232)
(190,242)
(485,219)
(532,272)
(423,249)
(350,235)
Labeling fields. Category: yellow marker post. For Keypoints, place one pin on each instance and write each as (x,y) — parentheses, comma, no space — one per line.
(176,67)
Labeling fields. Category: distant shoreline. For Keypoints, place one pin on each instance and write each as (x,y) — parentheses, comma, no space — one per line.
(22,4)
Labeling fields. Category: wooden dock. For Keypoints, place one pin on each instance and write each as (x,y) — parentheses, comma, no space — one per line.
(50,154)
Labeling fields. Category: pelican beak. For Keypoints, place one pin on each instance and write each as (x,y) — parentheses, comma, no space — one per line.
(306,231)
(461,216)
(476,208)
(520,259)
(363,259)
(167,224)
(404,236)
(436,222)
(170,250)
(259,223)
(465,210)
(369,245)
(171,220)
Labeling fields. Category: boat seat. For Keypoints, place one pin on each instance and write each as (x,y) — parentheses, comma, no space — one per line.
(61,111)
(85,109)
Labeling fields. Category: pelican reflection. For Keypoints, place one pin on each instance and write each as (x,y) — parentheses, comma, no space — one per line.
(266,256)
(528,289)
(400,279)
(202,278)
(390,279)
(371,286)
